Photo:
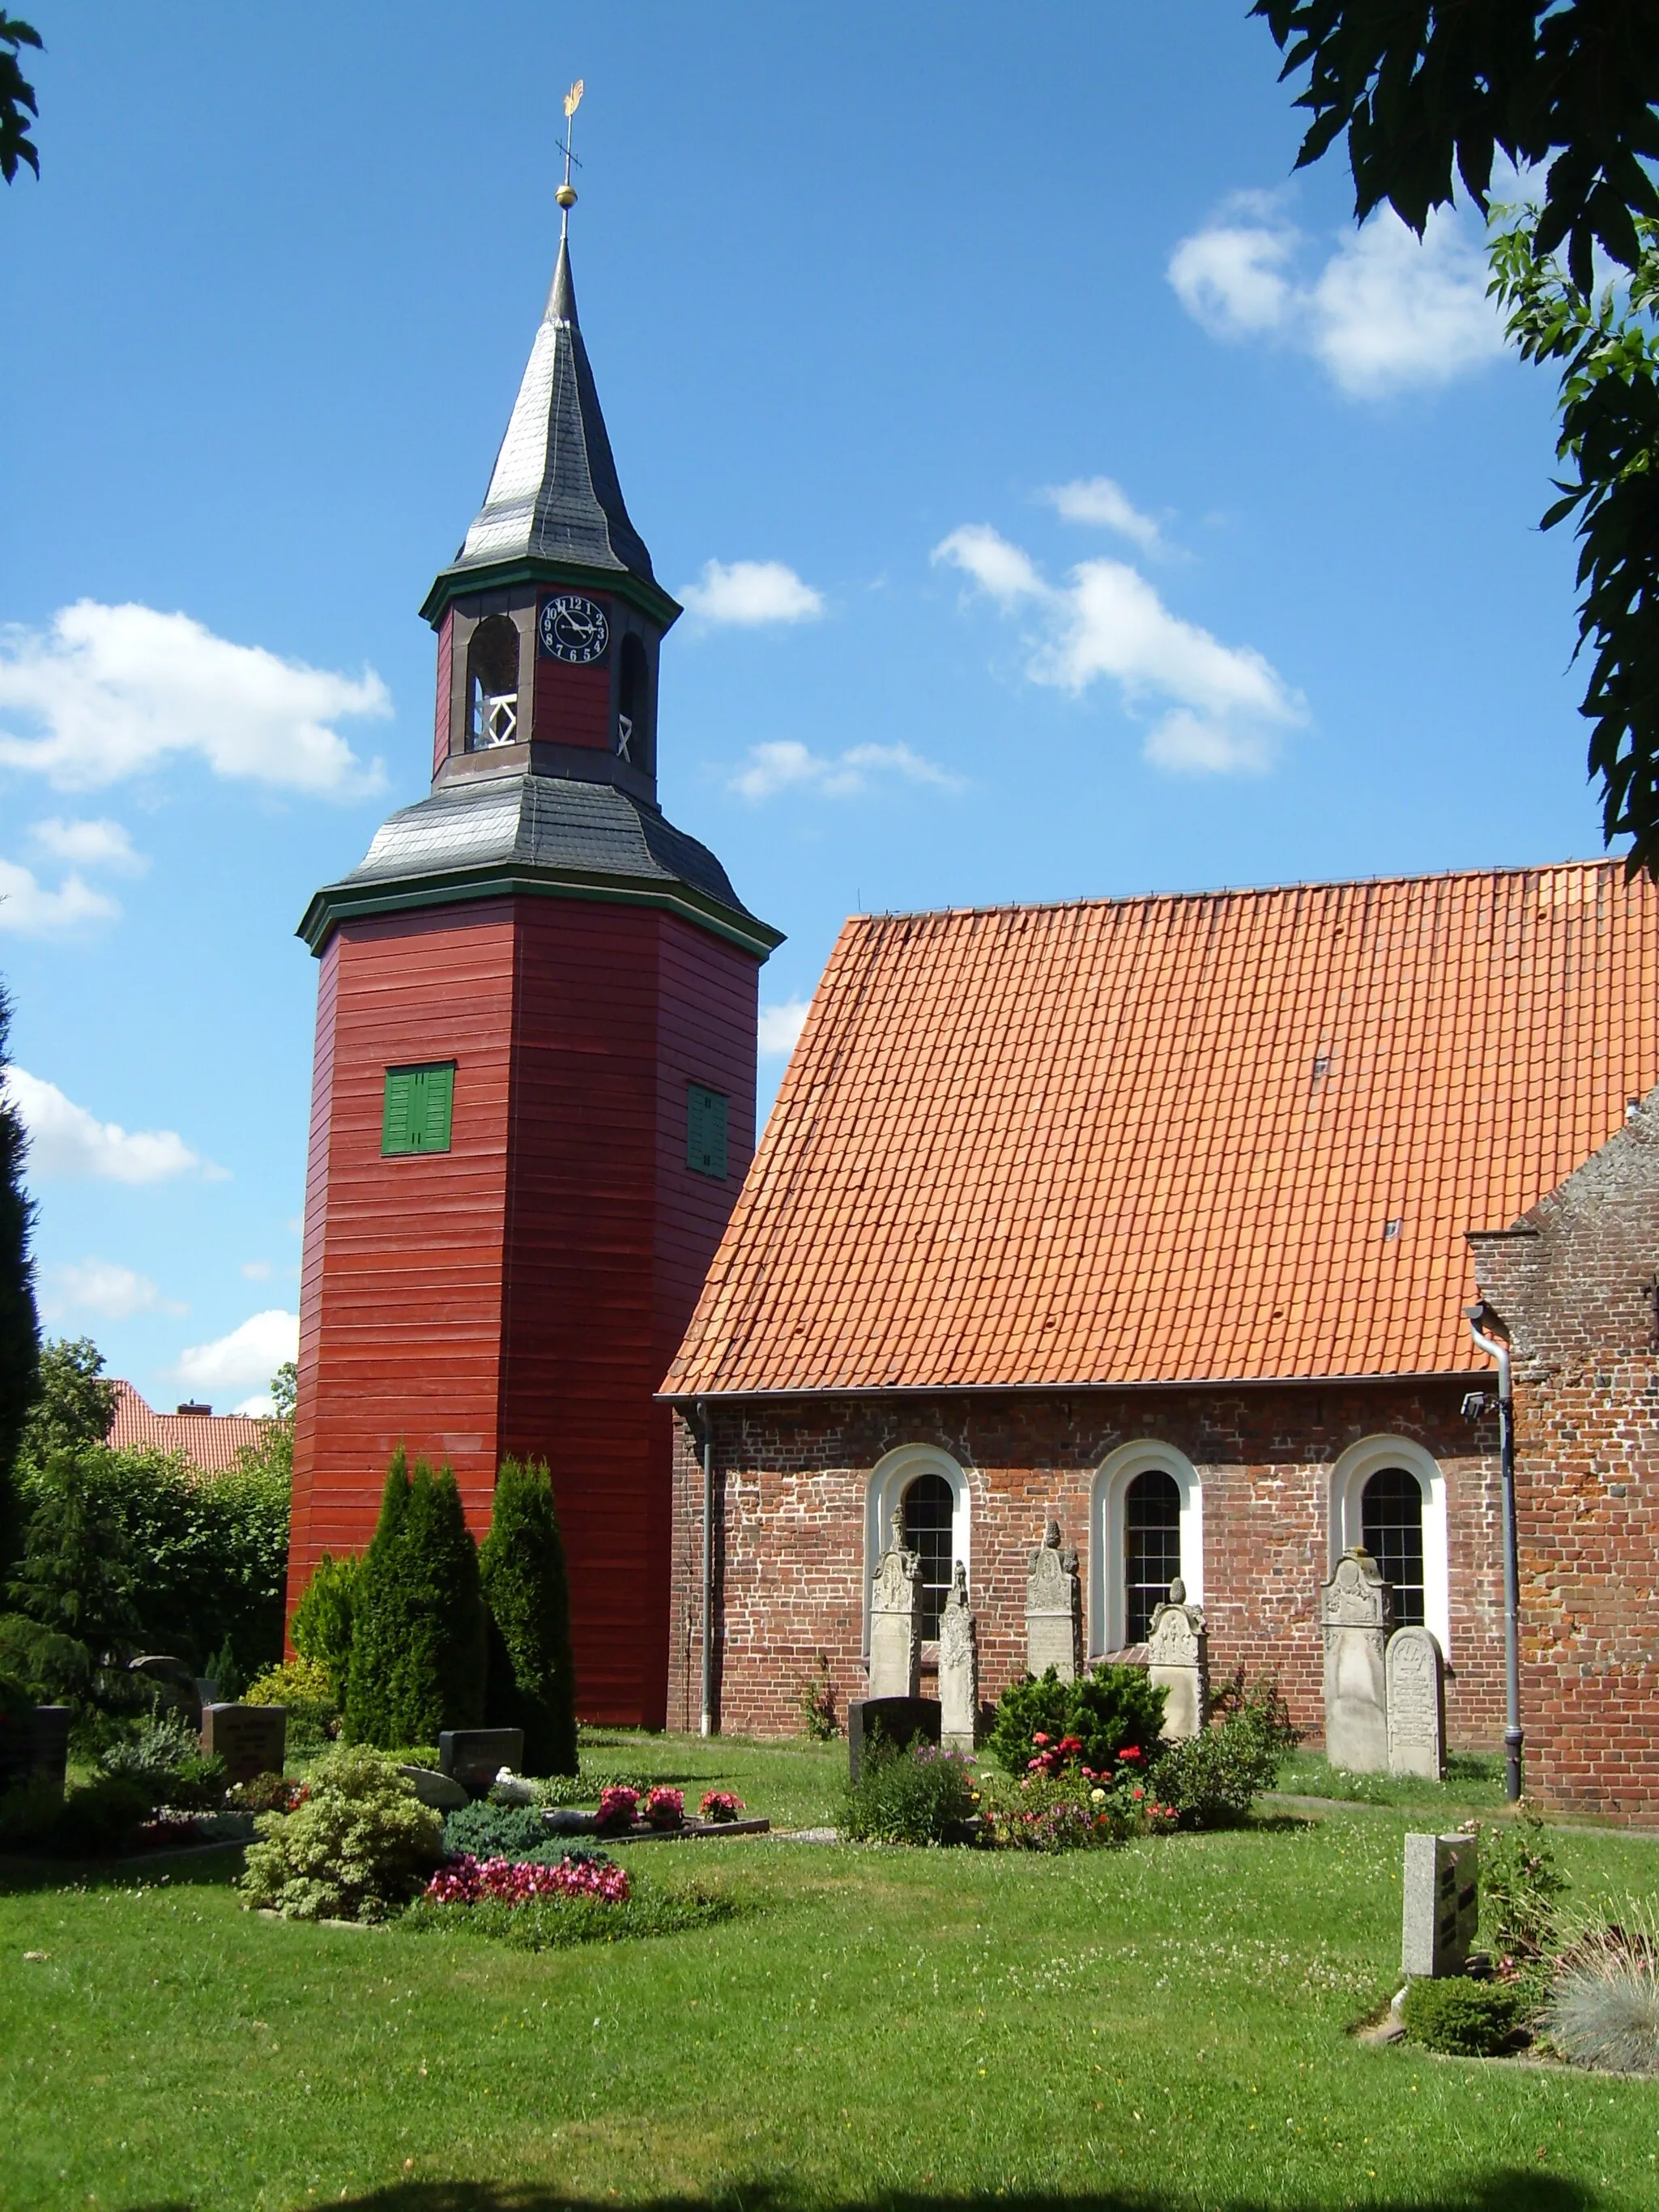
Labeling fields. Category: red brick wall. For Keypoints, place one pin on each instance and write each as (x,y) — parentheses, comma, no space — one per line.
(1574,1286)
(791,1478)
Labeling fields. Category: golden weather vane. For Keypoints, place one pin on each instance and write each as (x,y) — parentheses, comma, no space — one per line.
(566,195)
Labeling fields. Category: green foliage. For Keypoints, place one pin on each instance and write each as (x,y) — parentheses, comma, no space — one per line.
(1422,87)
(273,1455)
(916,1796)
(97,1820)
(554,1923)
(224,1671)
(74,1404)
(360,1844)
(56,1670)
(321,1626)
(507,1832)
(1603,2009)
(1212,1778)
(20,1328)
(1107,1710)
(17,105)
(306,1694)
(583,1787)
(533,1679)
(417,1644)
(1520,1885)
(816,1701)
(1468,2019)
(76,1582)
(165,1760)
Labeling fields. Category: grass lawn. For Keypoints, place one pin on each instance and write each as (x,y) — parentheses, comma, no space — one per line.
(1163,2026)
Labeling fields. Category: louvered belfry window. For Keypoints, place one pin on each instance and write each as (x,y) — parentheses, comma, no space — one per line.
(705,1131)
(420,1104)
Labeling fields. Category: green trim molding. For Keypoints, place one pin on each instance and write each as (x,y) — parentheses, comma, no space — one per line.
(459,583)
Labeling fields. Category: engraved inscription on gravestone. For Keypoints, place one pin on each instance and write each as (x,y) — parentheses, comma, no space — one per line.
(1443,1903)
(1053,1609)
(1177,1656)
(896,1622)
(958,1667)
(252,1739)
(1355,1613)
(1417,1704)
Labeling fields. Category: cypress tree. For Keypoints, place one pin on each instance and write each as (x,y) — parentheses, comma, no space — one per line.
(19,1326)
(377,1624)
(417,1642)
(532,1682)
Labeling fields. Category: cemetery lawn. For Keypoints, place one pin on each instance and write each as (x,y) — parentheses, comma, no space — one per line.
(1160,2027)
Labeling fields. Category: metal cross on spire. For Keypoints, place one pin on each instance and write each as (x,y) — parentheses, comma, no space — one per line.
(566,195)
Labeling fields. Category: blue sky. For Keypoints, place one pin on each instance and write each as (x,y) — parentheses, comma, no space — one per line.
(1089,511)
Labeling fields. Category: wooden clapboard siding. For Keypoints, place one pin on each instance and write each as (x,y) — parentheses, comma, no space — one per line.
(573,705)
(302,1551)
(446,668)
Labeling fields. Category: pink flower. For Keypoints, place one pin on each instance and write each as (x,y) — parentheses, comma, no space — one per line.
(467,1881)
(618,1807)
(720,1805)
(664,1808)
(1039,1737)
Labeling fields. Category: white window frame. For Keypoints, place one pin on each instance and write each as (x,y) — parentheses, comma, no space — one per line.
(1108,1599)
(1349,1476)
(890,1479)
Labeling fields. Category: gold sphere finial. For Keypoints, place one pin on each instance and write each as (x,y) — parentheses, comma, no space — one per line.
(566,195)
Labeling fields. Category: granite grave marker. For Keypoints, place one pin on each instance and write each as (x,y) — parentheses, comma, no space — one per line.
(1355,1613)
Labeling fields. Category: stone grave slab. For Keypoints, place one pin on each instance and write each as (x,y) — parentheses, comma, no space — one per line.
(252,1739)
(895,1623)
(1417,1704)
(1442,1906)
(901,1720)
(442,1792)
(1355,1613)
(174,1685)
(1178,1663)
(475,1756)
(1053,1609)
(959,1668)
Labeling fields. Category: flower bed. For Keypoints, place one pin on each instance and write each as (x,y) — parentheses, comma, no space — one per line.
(466,1880)
(719,1805)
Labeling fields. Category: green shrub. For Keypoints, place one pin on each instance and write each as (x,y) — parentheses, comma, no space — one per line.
(360,1844)
(76,1582)
(1604,2008)
(916,1796)
(29,1813)
(1520,1885)
(1107,1711)
(165,1760)
(1468,2019)
(306,1694)
(417,1641)
(1212,1778)
(321,1626)
(532,1681)
(488,1831)
(554,1923)
(583,1787)
(96,1820)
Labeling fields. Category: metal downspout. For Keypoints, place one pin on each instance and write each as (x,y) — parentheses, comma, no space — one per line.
(1495,1348)
(706,1724)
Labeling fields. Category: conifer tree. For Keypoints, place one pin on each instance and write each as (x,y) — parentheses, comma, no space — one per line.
(532,1682)
(418,1642)
(74,1586)
(376,1621)
(20,1328)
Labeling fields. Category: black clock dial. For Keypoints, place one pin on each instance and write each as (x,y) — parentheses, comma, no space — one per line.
(575,628)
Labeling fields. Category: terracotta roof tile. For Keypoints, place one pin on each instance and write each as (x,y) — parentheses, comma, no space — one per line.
(211,1440)
(1162,1140)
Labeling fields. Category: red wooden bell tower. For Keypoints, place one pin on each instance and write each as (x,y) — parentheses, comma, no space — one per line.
(533,1098)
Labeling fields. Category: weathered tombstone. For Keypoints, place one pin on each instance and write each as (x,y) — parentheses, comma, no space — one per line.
(896,1622)
(1053,1609)
(1356,1612)
(174,1685)
(1443,1903)
(1417,1704)
(442,1792)
(959,1668)
(900,1721)
(475,1756)
(1178,1661)
(252,1739)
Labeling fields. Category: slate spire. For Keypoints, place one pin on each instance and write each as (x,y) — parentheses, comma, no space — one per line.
(554,493)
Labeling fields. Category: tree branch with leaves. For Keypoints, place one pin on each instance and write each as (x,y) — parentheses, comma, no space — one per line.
(18,109)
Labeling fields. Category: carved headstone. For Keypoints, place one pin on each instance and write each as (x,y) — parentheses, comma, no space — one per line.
(1053,1609)
(1356,1612)
(1178,1663)
(900,1721)
(959,1668)
(252,1739)
(173,1685)
(1417,1704)
(1443,1903)
(896,1623)
(475,1756)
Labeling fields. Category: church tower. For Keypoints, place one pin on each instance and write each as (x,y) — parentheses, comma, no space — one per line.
(533,1096)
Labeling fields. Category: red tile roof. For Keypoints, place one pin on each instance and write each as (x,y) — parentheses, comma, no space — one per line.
(1236,1135)
(211,1440)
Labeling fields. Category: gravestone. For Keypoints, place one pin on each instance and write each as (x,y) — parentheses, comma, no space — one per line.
(896,1622)
(252,1739)
(174,1685)
(1178,1661)
(442,1792)
(959,1668)
(475,1756)
(1417,1704)
(1442,1904)
(1053,1609)
(1356,1612)
(900,1721)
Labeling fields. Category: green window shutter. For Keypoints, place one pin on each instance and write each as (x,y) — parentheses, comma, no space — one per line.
(705,1131)
(419,1108)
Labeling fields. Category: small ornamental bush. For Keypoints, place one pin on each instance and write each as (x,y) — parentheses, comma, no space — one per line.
(617,1809)
(532,1677)
(360,1844)
(1058,1804)
(1604,2008)
(1212,1778)
(584,1787)
(306,1692)
(1104,1710)
(720,1805)
(921,1794)
(544,1923)
(466,1880)
(268,1793)
(166,1760)
(1520,1886)
(99,1820)
(1468,2018)
(494,1831)
(664,1808)
(321,1626)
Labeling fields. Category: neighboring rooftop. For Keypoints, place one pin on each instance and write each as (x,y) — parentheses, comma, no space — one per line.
(1224,1136)
(211,1440)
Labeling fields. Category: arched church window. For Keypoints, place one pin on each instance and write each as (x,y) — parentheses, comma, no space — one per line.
(1152,1549)
(634,704)
(492,684)
(1391,1529)
(929,1506)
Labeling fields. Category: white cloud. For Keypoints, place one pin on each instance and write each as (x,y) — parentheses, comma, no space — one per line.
(262,1405)
(1225,704)
(112,691)
(1099,501)
(1385,311)
(245,1360)
(99,1286)
(784,764)
(751,591)
(781,1027)
(65,1141)
(256,1271)
(100,844)
(34,909)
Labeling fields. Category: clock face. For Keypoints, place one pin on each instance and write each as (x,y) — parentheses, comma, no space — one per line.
(573,629)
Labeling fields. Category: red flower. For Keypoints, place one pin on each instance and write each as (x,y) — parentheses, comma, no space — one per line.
(1137,1792)
(1132,1752)
(1039,1737)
